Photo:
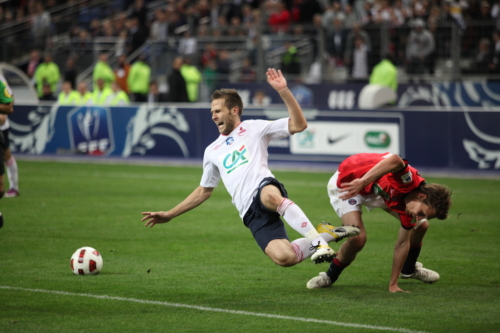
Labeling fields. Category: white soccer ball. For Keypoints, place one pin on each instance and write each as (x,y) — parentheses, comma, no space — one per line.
(86,261)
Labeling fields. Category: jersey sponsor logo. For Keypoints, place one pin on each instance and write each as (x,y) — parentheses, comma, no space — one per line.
(352,202)
(407,178)
(235,159)
(217,146)
(377,190)
(229,141)
(242,131)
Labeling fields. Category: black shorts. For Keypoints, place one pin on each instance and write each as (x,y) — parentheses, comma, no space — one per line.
(264,224)
(5,142)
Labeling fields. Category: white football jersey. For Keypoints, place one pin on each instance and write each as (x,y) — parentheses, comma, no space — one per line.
(240,159)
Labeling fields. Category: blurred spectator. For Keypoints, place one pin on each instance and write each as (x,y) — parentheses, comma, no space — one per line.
(154,95)
(309,8)
(359,59)
(138,79)
(159,27)
(82,42)
(224,63)
(373,29)
(176,83)
(33,63)
(47,94)
(290,61)
(121,72)
(247,71)
(350,17)
(482,60)
(70,71)
(117,97)
(101,92)
(85,97)
(355,32)
(40,25)
(280,17)
(138,34)
(385,73)
(260,99)
(418,48)
(209,75)
(192,76)
(332,13)
(495,64)
(67,96)
(138,10)
(187,44)
(103,71)
(486,19)
(47,72)
(208,54)
(336,42)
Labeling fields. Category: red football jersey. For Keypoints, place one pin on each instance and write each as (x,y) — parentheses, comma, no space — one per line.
(391,187)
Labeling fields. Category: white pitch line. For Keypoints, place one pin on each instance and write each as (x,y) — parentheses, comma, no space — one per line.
(203,308)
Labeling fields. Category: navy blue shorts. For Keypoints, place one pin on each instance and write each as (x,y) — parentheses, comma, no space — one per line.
(264,224)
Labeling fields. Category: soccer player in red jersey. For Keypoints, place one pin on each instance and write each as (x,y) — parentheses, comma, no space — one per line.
(386,181)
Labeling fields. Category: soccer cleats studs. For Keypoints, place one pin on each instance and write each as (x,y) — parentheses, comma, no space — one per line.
(323,253)
(321,281)
(422,274)
(338,233)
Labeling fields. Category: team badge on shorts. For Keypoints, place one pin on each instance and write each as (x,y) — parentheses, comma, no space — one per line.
(352,202)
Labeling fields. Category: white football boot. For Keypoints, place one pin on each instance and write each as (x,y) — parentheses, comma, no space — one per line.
(422,274)
(321,281)
(323,253)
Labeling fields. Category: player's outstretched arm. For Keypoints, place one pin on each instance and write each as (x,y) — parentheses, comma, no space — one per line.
(392,163)
(196,198)
(6,108)
(297,122)
(400,253)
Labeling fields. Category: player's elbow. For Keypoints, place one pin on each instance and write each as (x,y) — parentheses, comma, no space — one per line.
(397,162)
(298,127)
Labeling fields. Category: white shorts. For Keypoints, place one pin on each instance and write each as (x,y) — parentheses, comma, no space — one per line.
(342,207)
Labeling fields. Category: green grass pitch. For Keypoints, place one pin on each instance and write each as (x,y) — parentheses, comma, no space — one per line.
(176,277)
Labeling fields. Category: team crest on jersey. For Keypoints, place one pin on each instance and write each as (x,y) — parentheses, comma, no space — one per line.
(235,159)
(229,141)
(242,131)
(7,93)
(407,178)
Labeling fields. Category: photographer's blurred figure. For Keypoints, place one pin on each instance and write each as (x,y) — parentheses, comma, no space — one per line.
(385,73)
(118,97)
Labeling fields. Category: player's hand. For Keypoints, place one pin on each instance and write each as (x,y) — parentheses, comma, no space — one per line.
(276,79)
(396,289)
(348,190)
(155,218)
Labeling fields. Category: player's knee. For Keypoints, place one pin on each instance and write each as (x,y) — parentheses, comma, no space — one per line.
(284,259)
(271,199)
(358,242)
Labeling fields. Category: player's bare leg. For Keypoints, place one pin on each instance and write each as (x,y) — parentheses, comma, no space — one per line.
(317,248)
(281,252)
(413,269)
(346,254)
(12,173)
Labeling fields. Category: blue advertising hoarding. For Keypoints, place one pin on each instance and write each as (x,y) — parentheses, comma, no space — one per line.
(468,139)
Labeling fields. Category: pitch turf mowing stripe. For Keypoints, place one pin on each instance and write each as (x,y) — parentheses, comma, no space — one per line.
(203,308)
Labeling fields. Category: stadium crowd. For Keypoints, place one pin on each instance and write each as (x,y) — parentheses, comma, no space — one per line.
(418,33)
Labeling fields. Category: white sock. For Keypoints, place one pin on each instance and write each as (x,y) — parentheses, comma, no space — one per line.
(302,248)
(296,218)
(12,173)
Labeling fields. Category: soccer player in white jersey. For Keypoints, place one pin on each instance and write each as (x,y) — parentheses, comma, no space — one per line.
(239,156)
(10,161)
